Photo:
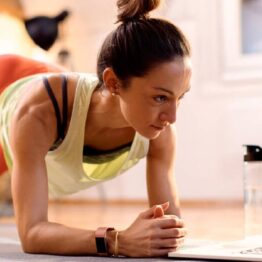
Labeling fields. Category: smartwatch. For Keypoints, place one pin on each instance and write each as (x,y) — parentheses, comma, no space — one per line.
(101,241)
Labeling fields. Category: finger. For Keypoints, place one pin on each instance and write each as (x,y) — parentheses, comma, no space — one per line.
(168,243)
(170,222)
(165,205)
(173,232)
(173,242)
(149,213)
(159,211)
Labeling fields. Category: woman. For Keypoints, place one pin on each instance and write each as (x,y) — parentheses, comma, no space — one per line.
(64,133)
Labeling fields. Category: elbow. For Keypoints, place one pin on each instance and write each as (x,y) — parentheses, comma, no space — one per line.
(28,248)
(28,245)
(30,242)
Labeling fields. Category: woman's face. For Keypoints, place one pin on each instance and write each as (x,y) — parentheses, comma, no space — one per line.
(150,103)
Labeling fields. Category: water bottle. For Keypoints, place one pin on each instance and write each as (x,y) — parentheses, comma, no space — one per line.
(253,190)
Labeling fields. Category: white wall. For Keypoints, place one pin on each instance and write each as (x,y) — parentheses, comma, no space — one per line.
(83,31)
(215,118)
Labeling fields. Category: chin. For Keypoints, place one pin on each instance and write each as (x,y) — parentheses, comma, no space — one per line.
(150,135)
(155,136)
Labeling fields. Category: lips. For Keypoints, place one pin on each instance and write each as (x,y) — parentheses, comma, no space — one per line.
(159,128)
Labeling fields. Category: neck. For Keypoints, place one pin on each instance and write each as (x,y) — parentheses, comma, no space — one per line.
(105,112)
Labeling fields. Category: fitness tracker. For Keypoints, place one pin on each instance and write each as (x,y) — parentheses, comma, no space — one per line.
(101,241)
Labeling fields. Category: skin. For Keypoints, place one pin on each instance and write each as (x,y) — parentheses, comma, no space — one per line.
(148,105)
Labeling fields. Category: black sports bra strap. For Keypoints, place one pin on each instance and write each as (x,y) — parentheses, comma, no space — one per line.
(56,107)
(61,125)
(64,95)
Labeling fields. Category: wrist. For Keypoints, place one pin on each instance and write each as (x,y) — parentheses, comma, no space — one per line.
(115,243)
(120,244)
(102,235)
(111,242)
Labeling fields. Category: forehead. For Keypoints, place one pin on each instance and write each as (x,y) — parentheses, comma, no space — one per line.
(178,67)
(172,75)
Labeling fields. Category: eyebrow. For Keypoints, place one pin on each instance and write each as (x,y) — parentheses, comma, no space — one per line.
(170,92)
(165,90)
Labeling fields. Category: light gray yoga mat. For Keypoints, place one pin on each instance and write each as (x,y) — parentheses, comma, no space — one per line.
(10,251)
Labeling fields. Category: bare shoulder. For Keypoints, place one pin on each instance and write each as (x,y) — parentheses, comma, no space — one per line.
(164,143)
(36,94)
(34,120)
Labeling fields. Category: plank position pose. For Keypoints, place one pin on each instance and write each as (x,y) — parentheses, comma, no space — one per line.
(63,132)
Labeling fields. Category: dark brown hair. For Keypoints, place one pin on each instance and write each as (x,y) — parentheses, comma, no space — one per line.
(139,43)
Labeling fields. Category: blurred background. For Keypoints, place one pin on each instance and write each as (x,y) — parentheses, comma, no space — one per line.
(220,114)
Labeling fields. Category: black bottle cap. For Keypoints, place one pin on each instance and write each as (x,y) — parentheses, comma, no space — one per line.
(252,153)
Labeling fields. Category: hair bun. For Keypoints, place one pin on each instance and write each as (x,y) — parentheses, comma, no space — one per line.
(135,9)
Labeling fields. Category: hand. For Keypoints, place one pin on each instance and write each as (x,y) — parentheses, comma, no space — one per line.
(159,210)
(152,234)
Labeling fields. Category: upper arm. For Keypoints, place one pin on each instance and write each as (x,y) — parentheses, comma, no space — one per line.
(30,138)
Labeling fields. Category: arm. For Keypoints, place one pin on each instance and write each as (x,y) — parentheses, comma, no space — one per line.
(160,171)
(146,236)
(33,131)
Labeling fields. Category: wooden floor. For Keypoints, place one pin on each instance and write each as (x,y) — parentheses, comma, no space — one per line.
(211,220)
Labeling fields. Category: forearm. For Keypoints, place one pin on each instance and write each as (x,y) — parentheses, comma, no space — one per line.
(53,238)
(161,187)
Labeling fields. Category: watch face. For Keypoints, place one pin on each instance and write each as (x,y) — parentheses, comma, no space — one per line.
(101,241)
(101,245)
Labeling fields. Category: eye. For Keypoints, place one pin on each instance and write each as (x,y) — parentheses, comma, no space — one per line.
(181,97)
(160,99)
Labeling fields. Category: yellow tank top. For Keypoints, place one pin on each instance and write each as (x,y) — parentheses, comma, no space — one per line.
(67,173)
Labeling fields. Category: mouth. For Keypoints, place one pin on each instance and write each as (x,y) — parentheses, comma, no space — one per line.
(158,128)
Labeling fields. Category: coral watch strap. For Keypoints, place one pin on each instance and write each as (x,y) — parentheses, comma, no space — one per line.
(101,241)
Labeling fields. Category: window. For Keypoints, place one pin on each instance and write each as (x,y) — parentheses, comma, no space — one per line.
(241,22)
(251,26)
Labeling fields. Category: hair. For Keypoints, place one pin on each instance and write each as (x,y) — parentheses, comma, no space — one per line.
(139,43)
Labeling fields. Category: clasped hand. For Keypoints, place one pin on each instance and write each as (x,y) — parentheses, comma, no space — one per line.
(153,234)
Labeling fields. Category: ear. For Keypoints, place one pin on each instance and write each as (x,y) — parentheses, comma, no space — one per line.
(111,81)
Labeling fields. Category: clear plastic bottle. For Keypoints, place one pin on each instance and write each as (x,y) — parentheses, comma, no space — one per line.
(253,190)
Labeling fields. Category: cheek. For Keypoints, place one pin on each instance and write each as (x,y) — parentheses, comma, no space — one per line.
(139,112)
(129,111)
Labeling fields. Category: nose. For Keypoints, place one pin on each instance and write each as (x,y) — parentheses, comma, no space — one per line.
(169,115)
